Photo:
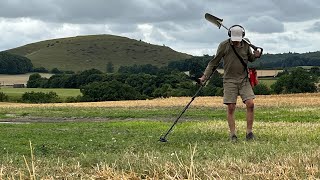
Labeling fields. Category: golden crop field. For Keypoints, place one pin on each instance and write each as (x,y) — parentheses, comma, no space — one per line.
(261,73)
(300,100)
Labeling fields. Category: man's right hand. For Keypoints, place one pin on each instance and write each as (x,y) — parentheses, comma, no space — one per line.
(202,79)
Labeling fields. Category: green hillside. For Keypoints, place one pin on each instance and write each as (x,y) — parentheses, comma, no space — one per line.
(96,51)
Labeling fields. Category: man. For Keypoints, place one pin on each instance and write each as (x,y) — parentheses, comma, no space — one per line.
(235,78)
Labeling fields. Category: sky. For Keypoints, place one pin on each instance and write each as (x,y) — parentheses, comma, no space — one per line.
(278,26)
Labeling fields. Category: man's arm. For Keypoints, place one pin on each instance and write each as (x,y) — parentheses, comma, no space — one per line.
(252,56)
(213,64)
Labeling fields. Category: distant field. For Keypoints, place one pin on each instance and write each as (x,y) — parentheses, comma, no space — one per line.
(262,73)
(6,79)
(16,93)
(267,81)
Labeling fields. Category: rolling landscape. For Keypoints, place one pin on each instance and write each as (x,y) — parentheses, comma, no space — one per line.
(120,139)
(96,51)
(101,90)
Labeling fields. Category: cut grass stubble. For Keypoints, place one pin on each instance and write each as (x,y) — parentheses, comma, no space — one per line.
(287,144)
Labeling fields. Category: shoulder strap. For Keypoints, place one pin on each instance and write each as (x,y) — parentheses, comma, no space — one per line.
(240,58)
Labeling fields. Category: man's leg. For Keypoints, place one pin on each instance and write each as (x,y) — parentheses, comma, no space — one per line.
(230,117)
(250,114)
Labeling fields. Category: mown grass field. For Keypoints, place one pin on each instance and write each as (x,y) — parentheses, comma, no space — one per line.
(119,140)
(16,93)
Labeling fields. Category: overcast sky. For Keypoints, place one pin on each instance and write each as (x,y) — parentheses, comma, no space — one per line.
(278,26)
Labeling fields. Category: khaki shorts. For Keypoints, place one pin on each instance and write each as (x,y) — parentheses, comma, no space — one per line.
(233,89)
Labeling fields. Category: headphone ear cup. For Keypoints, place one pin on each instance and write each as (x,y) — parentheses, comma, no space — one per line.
(243,31)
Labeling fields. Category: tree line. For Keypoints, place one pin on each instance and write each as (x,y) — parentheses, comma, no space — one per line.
(14,64)
(138,82)
(134,82)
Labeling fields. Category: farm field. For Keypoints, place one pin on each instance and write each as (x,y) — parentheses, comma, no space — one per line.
(119,140)
(6,79)
(268,81)
(16,93)
(262,73)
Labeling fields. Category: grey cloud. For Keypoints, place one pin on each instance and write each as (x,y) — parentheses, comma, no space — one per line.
(315,27)
(145,11)
(126,28)
(264,24)
(296,10)
(174,23)
(101,11)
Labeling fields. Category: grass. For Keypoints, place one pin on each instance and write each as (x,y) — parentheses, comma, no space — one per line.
(16,93)
(95,51)
(126,146)
(267,81)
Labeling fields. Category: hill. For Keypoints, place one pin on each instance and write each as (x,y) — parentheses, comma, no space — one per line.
(96,51)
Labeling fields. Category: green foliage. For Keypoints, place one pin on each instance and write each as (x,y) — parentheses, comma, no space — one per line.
(72,99)
(3,97)
(14,64)
(36,81)
(287,60)
(261,89)
(40,97)
(136,69)
(109,91)
(40,70)
(56,71)
(297,81)
(110,67)
(315,71)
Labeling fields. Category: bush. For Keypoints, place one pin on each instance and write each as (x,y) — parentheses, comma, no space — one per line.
(109,91)
(3,97)
(298,81)
(261,89)
(40,97)
(74,99)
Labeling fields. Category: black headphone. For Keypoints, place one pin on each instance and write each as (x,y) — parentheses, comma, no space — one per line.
(243,31)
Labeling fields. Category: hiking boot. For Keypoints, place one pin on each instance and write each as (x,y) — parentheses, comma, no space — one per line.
(234,138)
(249,136)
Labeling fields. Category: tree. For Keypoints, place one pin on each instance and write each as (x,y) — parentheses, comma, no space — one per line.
(109,91)
(14,64)
(315,71)
(36,81)
(110,67)
(298,81)
(261,89)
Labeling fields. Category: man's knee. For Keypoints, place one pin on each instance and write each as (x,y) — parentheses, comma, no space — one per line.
(250,104)
(231,108)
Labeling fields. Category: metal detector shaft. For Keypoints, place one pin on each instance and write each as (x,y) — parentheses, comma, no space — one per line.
(163,138)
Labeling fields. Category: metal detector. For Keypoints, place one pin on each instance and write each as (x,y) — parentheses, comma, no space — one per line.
(163,137)
(218,22)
